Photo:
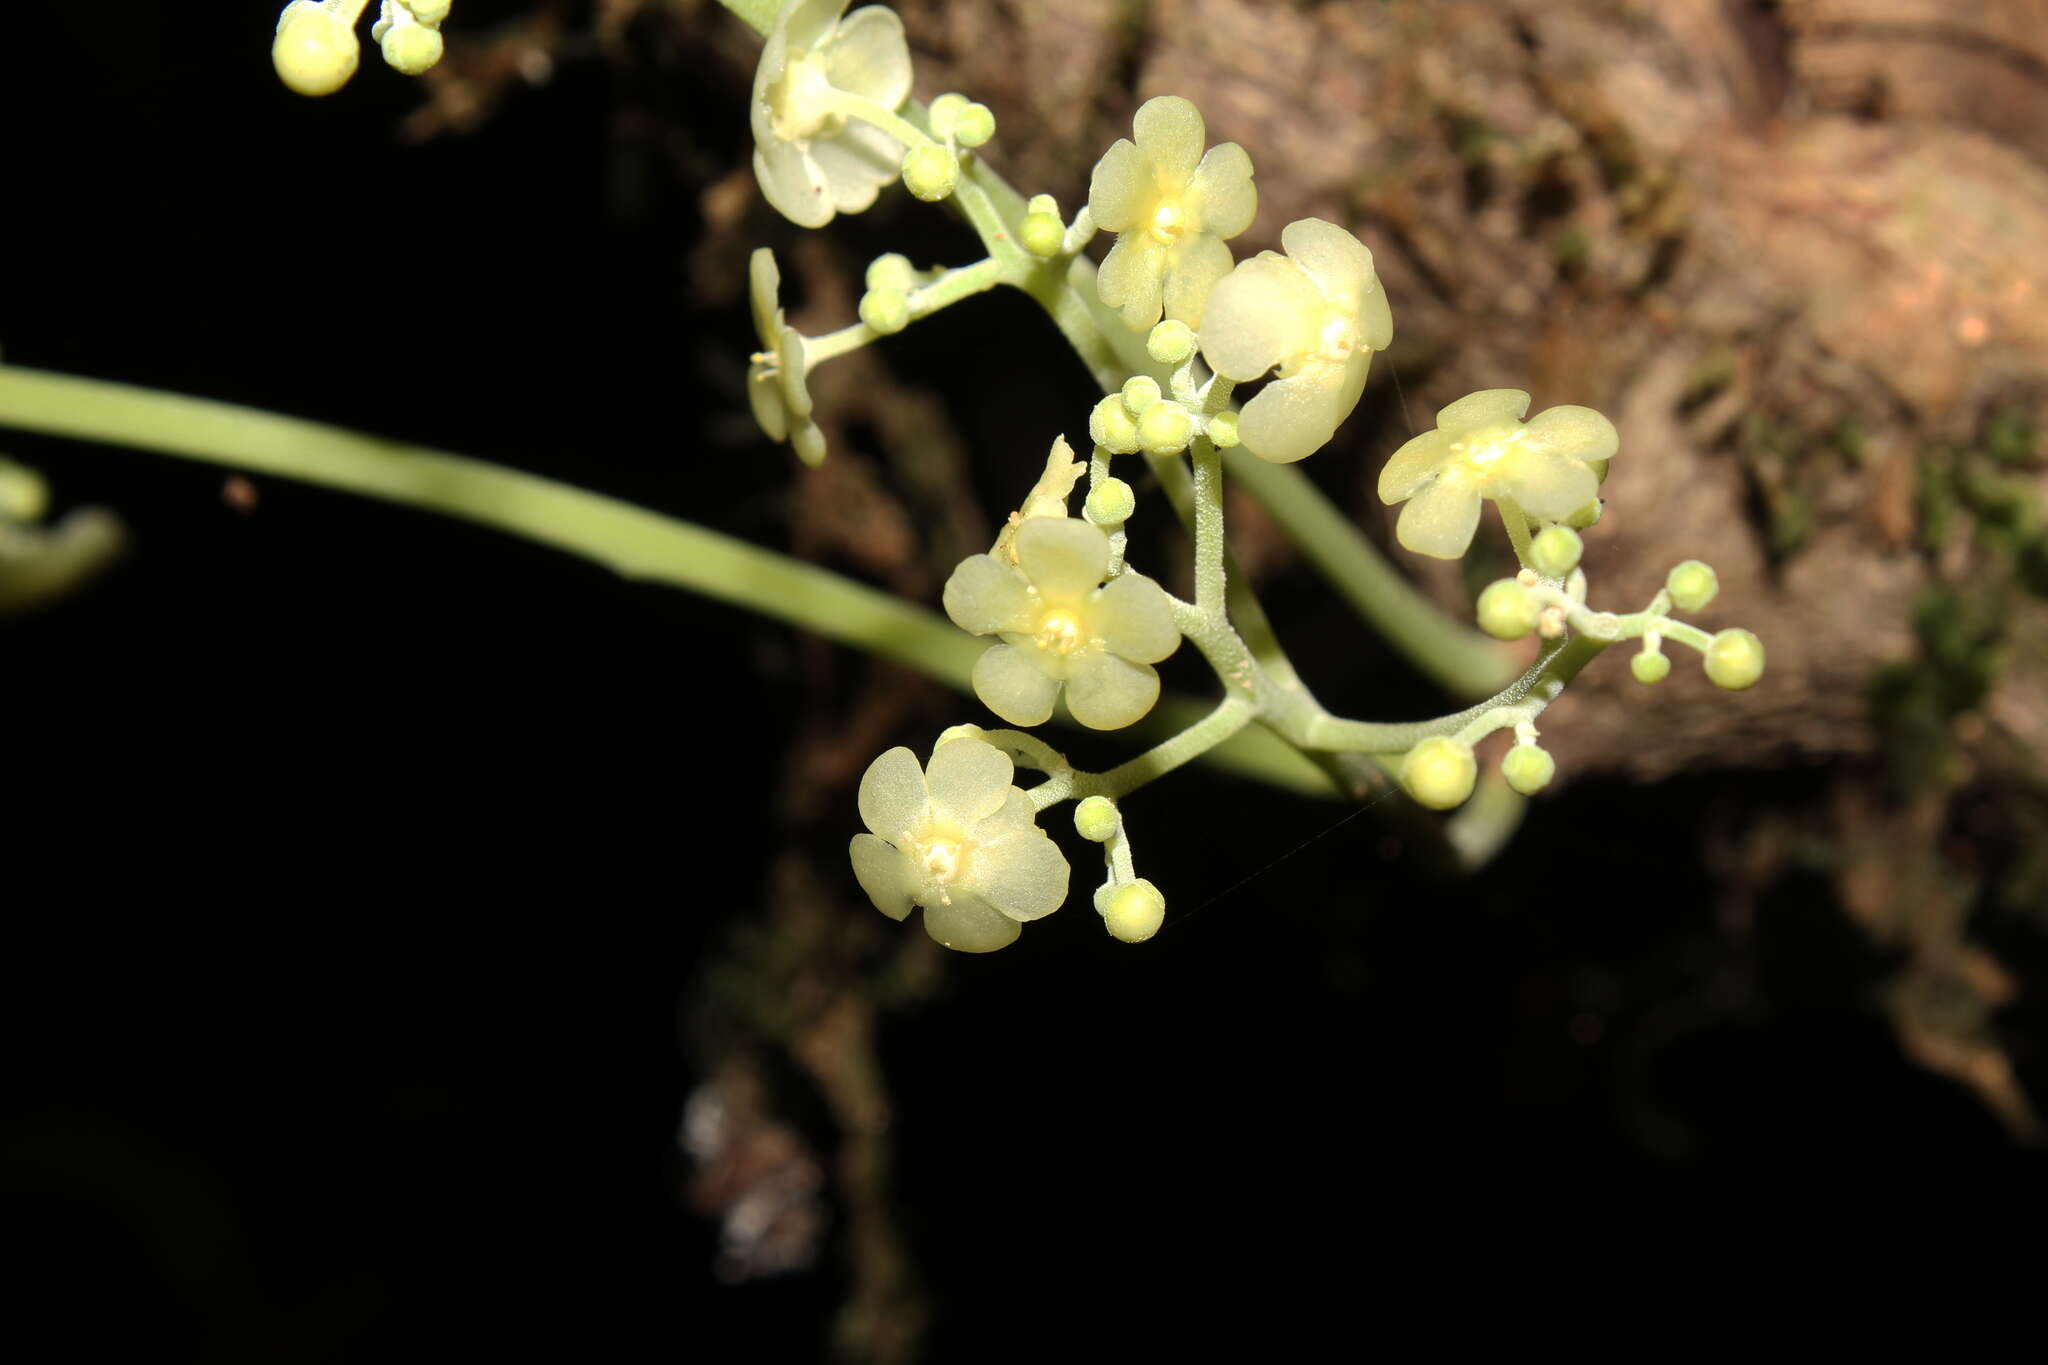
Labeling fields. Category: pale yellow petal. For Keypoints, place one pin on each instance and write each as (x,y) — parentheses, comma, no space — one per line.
(1064,557)
(764,294)
(1376,318)
(1293,418)
(1201,261)
(1015,814)
(792,183)
(807,23)
(1262,313)
(1576,432)
(869,57)
(880,870)
(764,396)
(1132,279)
(1170,135)
(985,596)
(857,163)
(892,794)
(1339,263)
(1546,484)
(1021,875)
(1417,461)
(969,779)
(1133,618)
(1120,192)
(1010,684)
(1482,409)
(970,925)
(1440,519)
(1221,194)
(1106,693)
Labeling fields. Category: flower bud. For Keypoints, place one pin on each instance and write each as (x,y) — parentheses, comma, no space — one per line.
(428,11)
(1165,428)
(24,497)
(974,125)
(1171,342)
(930,172)
(1735,660)
(1555,551)
(1507,610)
(1692,585)
(1528,769)
(1043,234)
(411,48)
(945,109)
(1111,426)
(885,310)
(1095,819)
(1439,772)
(1132,912)
(315,51)
(1109,503)
(1586,516)
(1140,392)
(1223,430)
(892,271)
(1650,668)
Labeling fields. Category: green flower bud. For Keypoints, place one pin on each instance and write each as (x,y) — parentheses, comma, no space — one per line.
(1132,912)
(1095,819)
(411,48)
(1555,551)
(1507,610)
(1586,516)
(24,497)
(1165,428)
(1043,234)
(944,110)
(1109,503)
(1692,585)
(1735,659)
(974,125)
(1439,772)
(930,172)
(1171,342)
(428,11)
(315,52)
(1140,392)
(1650,668)
(1223,430)
(893,271)
(1111,426)
(1528,769)
(885,310)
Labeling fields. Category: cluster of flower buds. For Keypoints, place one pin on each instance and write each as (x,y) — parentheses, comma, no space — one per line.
(315,51)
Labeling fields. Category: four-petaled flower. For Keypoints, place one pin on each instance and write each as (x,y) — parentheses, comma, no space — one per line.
(1317,314)
(1171,206)
(775,375)
(1061,627)
(812,158)
(958,840)
(1481,448)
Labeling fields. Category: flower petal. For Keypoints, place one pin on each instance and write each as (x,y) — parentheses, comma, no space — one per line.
(1120,192)
(878,867)
(1376,318)
(857,163)
(892,794)
(1134,620)
(1262,313)
(1221,193)
(1064,557)
(1016,814)
(1170,134)
(1022,875)
(1546,484)
(807,23)
(1338,262)
(869,57)
(764,396)
(970,925)
(1576,432)
(969,779)
(764,293)
(1416,462)
(1440,519)
(1132,277)
(792,183)
(1107,693)
(1010,684)
(1481,409)
(985,596)
(1201,261)
(1295,417)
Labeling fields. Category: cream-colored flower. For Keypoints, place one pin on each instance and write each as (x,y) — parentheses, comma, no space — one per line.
(959,840)
(1061,626)
(1481,448)
(1171,207)
(812,158)
(776,373)
(1316,314)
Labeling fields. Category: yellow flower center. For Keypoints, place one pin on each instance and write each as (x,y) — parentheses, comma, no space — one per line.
(940,852)
(1169,220)
(1059,630)
(800,104)
(1482,451)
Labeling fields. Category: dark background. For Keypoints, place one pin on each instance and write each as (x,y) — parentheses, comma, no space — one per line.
(362,869)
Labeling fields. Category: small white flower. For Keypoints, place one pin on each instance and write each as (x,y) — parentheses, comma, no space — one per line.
(1171,207)
(1481,449)
(1317,314)
(812,159)
(776,373)
(960,841)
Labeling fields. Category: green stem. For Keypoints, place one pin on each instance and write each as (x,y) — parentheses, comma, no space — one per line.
(1229,717)
(1209,579)
(1517,524)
